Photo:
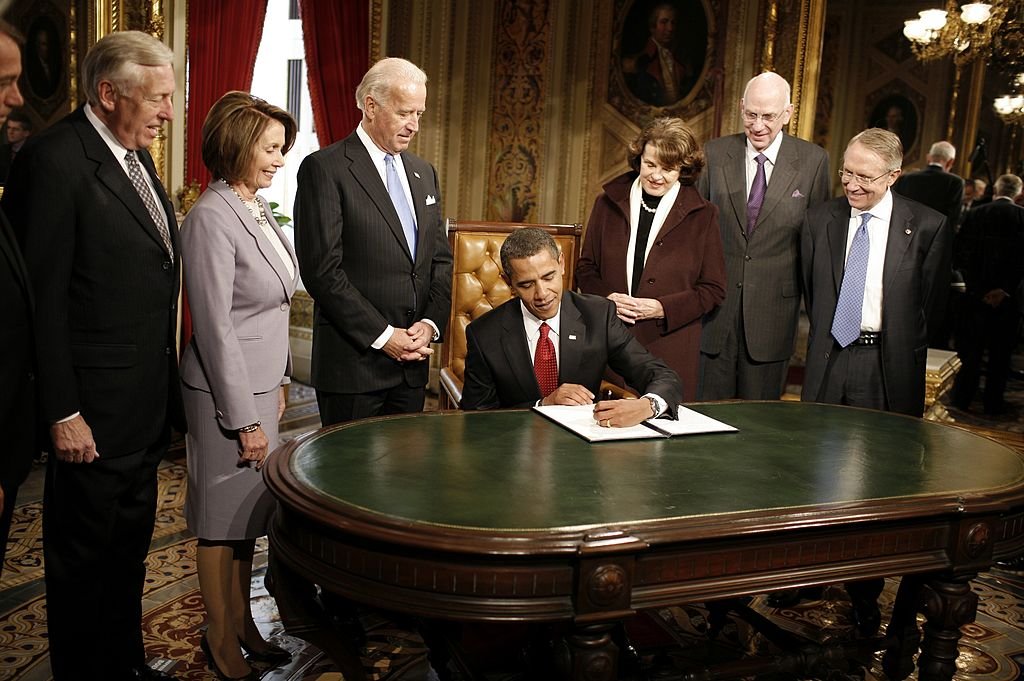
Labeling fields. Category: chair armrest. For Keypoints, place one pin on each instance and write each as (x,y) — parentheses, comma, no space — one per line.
(451,394)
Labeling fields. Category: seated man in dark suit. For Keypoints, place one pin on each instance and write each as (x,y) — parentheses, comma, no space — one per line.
(549,347)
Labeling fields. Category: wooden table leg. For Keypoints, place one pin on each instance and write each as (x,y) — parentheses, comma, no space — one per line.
(948,603)
(590,654)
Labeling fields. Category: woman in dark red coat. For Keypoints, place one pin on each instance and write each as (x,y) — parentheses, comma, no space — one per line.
(653,247)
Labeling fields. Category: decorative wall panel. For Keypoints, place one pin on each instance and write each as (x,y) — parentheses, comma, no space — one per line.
(523,33)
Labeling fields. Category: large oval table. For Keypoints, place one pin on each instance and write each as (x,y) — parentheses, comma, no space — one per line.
(505,516)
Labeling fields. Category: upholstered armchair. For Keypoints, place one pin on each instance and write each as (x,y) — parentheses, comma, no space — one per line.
(477,286)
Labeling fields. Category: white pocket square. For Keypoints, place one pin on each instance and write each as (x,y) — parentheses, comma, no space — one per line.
(431,200)
(416,174)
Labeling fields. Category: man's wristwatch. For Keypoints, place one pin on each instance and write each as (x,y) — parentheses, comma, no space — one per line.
(655,411)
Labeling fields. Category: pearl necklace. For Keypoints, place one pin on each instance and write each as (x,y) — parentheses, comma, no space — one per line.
(253,206)
(646,207)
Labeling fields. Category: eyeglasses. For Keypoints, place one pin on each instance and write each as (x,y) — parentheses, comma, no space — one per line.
(767,119)
(845,176)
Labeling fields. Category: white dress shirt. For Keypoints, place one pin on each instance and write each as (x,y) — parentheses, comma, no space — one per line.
(119,151)
(878,236)
(532,325)
(377,156)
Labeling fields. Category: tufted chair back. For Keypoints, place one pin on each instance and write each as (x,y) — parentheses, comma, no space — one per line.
(477,286)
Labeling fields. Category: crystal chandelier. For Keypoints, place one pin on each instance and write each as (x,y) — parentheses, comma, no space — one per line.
(966,33)
(1011,107)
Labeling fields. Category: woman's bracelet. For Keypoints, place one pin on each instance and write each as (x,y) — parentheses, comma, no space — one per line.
(251,428)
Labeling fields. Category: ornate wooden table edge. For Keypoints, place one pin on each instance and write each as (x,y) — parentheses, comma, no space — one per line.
(594,577)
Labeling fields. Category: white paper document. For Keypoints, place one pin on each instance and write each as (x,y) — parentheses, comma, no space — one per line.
(580,420)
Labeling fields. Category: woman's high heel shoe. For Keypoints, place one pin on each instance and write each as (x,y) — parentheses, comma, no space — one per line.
(274,654)
(253,675)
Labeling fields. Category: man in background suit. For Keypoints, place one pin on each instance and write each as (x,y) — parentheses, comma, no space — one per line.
(974,194)
(990,253)
(763,181)
(17,358)
(373,254)
(101,245)
(18,129)
(549,347)
(870,260)
(940,190)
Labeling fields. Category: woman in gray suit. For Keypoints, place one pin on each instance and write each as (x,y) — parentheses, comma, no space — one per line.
(240,273)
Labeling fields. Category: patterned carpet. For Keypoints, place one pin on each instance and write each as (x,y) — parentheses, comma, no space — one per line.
(992,648)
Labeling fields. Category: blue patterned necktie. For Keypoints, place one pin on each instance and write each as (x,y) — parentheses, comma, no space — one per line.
(757,190)
(401,204)
(846,323)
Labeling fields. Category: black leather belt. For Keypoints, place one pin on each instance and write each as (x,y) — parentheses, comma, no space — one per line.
(868,338)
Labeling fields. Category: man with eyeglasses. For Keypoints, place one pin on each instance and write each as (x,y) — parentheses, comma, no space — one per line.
(374,254)
(870,260)
(763,181)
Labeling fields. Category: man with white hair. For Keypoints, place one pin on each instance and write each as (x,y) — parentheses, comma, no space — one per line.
(373,253)
(763,181)
(939,189)
(935,186)
(101,246)
(870,259)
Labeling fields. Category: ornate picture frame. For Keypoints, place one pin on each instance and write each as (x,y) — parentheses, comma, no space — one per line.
(47,58)
(662,54)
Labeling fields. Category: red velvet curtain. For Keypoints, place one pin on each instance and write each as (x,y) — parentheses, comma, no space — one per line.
(337,38)
(223,39)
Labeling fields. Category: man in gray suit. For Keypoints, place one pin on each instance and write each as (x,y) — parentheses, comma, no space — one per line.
(870,260)
(763,181)
(374,254)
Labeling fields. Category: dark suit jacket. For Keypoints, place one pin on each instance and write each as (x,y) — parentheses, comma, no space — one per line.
(943,192)
(499,369)
(106,289)
(913,259)
(17,364)
(763,271)
(684,271)
(356,265)
(990,248)
(935,188)
(6,153)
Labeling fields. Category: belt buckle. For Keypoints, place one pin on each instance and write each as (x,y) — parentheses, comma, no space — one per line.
(868,338)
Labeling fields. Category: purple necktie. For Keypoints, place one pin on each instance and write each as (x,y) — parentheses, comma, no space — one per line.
(756,198)
(846,323)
